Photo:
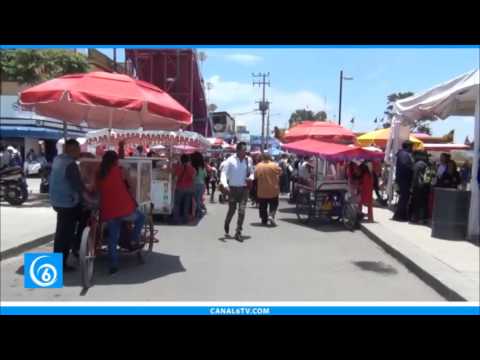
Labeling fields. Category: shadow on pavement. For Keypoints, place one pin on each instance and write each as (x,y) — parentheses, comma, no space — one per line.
(290,210)
(231,238)
(156,265)
(267,226)
(319,226)
(376,266)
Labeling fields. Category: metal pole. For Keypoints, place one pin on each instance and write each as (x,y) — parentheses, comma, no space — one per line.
(191,88)
(340,99)
(115,59)
(65,131)
(268,126)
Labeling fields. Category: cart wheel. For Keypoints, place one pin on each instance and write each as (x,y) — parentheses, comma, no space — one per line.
(87,256)
(303,207)
(350,216)
(148,237)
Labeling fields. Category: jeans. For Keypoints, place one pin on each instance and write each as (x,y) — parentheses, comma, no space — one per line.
(238,195)
(263,208)
(114,227)
(182,203)
(199,190)
(65,234)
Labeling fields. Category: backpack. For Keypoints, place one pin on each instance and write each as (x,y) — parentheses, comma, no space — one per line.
(425,177)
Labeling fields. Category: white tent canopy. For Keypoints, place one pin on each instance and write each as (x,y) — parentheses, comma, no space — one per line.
(457,97)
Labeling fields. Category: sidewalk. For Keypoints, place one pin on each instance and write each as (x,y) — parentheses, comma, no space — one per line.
(450,267)
(28,225)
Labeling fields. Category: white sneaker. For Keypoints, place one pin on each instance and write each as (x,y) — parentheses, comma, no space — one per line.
(272,221)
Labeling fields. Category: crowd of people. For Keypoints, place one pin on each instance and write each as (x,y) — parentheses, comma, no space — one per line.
(239,178)
(416,177)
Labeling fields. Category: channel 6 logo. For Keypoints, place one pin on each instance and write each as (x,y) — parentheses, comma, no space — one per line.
(43,270)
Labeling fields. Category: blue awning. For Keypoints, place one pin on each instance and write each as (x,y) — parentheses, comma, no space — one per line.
(36,132)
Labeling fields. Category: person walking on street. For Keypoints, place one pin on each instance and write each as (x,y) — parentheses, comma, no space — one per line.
(185,174)
(403,177)
(267,174)
(236,179)
(285,175)
(66,189)
(213,180)
(366,192)
(201,173)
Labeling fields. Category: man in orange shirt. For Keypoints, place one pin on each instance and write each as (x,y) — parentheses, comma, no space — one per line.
(267,174)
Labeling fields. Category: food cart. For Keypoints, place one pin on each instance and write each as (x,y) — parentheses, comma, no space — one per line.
(327,194)
(166,147)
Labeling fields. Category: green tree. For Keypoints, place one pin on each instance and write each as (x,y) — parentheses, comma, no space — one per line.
(304,114)
(321,116)
(420,125)
(28,66)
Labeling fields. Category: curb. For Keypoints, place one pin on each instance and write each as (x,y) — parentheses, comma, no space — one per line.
(445,291)
(20,249)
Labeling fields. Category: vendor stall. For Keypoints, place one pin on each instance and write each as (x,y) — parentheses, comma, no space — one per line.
(165,147)
(327,192)
(105,100)
(457,97)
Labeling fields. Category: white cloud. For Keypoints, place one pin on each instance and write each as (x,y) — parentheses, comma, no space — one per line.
(237,97)
(244,59)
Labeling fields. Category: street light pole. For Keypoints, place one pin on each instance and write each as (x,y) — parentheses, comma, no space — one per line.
(340,99)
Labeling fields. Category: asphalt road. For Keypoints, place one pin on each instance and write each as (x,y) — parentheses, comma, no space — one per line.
(291,262)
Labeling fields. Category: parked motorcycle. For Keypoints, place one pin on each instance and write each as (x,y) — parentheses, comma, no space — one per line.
(13,185)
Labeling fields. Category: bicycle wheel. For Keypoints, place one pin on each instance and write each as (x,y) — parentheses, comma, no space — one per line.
(303,207)
(350,216)
(87,256)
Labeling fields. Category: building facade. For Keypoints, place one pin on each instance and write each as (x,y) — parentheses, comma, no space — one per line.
(26,130)
(177,72)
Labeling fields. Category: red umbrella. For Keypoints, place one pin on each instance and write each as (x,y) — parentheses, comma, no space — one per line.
(319,130)
(106,100)
(331,151)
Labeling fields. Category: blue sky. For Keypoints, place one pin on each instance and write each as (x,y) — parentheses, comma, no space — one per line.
(309,77)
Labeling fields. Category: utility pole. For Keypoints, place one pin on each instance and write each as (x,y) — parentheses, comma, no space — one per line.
(263,105)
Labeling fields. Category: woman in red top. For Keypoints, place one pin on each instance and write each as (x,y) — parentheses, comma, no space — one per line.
(184,190)
(116,205)
(367,189)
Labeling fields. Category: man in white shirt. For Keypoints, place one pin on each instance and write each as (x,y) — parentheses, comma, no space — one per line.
(236,178)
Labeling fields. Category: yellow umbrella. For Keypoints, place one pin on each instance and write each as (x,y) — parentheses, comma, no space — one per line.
(380,138)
